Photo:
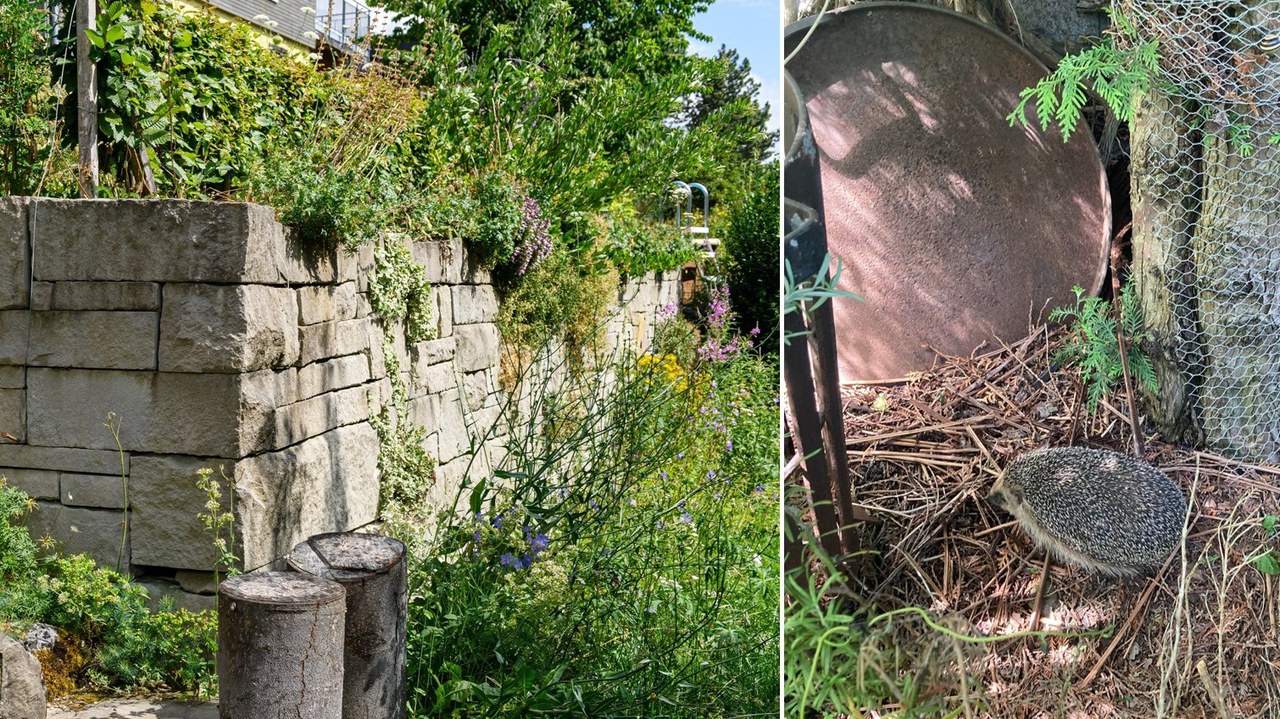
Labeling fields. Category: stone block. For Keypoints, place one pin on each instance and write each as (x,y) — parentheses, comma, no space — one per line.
(120,296)
(13,412)
(15,326)
(434,351)
(197,582)
(93,339)
(451,422)
(158,590)
(13,377)
(478,346)
(486,422)
(41,296)
(227,328)
(334,374)
(441,259)
(379,394)
(217,415)
(427,379)
(474,303)
(473,271)
(22,694)
(324,303)
(167,531)
(63,459)
(475,389)
(443,299)
(95,532)
(92,490)
(320,414)
(37,483)
(328,483)
(360,266)
(15,253)
(377,358)
(334,339)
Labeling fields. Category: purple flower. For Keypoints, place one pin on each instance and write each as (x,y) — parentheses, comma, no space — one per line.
(728,447)
(534,242)
(539,543)
(759,488)
(476,537)
(497,522)
(525,562)
(507,560)
(686,518)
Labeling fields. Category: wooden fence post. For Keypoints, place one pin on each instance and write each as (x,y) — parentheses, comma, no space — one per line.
(372,569)
(280,646)
(87,99)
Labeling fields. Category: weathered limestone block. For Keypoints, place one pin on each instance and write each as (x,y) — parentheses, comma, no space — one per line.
(120,296)
(13,412)
(167,531)
(93,339)
(473,304)
(333,339)
(473,272)
(443,301)
(379,394)
(442,260)
(64,459)
(92,490)
(22,694)
(14,332)
(13,377)
(216,415)
(324,303)
(160,589)
(478,346)
(426,379)
(221,328)
(434,351)
(327,483)
(15,253)
(475,389)
(37,483)
(174,241)
(95,532)
(334,374)
(442,413)
(311,417)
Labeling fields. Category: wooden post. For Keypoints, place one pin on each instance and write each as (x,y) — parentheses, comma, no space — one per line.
(280,646)
(372,569)
(87,99)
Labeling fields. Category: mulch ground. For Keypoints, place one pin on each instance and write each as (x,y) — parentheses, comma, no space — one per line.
(1198,639)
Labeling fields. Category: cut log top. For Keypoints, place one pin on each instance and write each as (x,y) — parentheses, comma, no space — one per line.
(284,589)
(346,557)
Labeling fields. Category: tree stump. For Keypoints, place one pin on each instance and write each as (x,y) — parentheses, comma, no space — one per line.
(372,569)
(280,647)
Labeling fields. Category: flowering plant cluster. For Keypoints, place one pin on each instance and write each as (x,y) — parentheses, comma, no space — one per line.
(533,242)
(496,534)
(666,367)
(721,343)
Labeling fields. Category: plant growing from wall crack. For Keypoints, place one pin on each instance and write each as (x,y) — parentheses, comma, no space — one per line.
(407,471)
(399,290)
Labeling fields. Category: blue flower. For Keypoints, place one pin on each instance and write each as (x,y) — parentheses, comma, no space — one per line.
(759,488)
(686,518)
(476,537)
(539,543)
(508,559)
(497,522)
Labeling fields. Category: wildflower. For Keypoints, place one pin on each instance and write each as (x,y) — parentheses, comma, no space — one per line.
(535,242)
(476,537)
(759,488)
(667,311)
(728,447)
(632,502)
(663,474)
(711,474)
(686,518)
(539,543)
(497,522)
(507,560)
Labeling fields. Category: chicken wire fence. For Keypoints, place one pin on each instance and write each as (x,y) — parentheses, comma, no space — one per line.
(1206,194)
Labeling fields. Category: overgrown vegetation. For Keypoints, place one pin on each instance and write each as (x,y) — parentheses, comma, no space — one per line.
(109,639)
(624,561)
(1094,347)
(751,261)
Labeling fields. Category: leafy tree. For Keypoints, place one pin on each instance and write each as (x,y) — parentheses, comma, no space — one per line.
(751,244)
(726,89)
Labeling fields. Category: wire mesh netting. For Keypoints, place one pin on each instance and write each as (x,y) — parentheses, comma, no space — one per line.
(1206,219)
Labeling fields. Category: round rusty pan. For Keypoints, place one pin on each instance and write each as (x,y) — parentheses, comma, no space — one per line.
(955,228)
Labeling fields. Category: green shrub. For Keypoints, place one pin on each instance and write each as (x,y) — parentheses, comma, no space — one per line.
(28,127)
(624,560)
(751,247)
(1094,347)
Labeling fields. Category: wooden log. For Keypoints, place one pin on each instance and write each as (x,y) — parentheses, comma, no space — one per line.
(280,646)
(372,569)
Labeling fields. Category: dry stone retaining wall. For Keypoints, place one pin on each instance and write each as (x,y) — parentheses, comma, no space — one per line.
(214,340)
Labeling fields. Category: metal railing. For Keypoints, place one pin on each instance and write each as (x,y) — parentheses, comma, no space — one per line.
(343,23)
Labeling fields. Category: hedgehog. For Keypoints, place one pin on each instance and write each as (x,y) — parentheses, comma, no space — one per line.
(1099,510)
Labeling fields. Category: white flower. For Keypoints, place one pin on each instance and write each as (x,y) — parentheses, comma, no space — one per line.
(308,11)
(271,24)
(310,35)
(260,18)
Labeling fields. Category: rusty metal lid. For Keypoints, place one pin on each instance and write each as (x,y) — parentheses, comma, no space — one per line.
(955,228)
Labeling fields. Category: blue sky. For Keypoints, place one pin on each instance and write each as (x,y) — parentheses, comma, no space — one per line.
(753,28)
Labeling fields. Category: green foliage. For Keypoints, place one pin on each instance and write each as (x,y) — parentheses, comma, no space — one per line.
(1094,347)
(1114,74)
(132,647)
(219,521)
(406,472)
(28,126)
(1268,560)
(498,218)
(812,292)
(636,247)
(399,290)
(22,598)
(562,297)
(623,562)
(750,248)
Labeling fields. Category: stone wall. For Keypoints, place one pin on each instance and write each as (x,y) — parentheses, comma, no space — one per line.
(214,340)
